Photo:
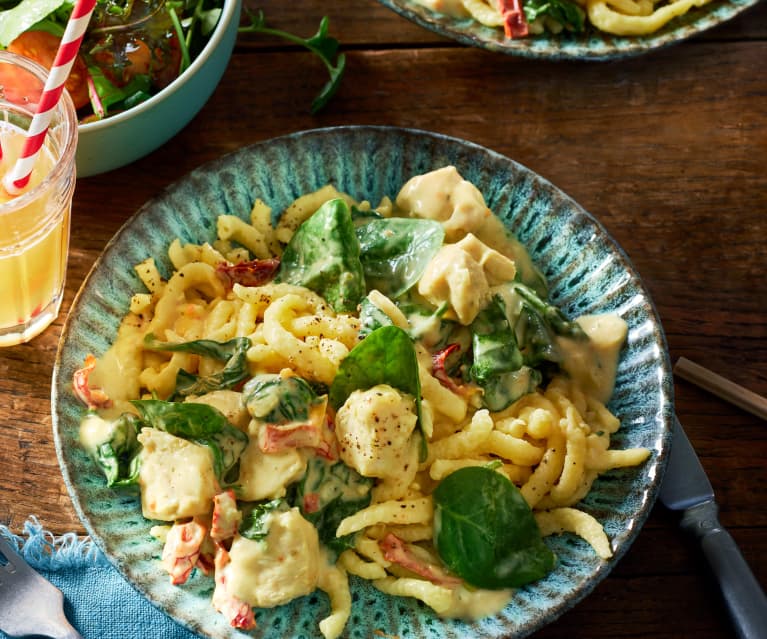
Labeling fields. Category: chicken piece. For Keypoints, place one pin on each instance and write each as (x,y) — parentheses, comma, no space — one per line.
(455,277)
(497,267)
(373,428)
(266,475)
(275,570)
(443,195)
(177,479)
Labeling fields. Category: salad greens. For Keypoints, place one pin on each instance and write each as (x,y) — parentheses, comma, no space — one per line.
(385,356)
(324,46)
(131,50)
(485,532)
(233,352)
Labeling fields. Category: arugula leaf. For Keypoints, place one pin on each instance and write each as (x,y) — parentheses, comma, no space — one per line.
(328,493)
(485,532)
(321,44)
(395,252)
(255,522)
(119,457)
(324,256)
(567,13)
(233,352)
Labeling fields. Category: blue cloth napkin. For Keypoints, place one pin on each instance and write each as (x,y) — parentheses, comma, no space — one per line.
(98,601)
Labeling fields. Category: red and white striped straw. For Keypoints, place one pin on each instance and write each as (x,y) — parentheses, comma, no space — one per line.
(18,177)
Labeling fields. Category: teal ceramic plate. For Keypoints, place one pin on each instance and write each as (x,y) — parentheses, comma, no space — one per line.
(592,45)
(588,272)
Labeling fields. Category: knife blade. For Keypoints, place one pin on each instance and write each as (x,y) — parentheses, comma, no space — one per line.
(687,489)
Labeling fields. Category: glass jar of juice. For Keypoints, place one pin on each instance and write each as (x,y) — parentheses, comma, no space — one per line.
(34,224)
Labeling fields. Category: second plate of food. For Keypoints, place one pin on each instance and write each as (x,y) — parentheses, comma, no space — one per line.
(260,499)
(569,30)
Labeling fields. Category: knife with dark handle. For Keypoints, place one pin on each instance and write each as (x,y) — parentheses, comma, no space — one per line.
(686,488)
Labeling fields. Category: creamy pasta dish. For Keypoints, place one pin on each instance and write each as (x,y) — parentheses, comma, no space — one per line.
(521,18)
(380,391)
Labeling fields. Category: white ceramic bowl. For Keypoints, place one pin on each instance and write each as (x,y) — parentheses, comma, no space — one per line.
(125,137)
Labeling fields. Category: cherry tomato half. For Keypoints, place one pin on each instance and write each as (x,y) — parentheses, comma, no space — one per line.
(41,47)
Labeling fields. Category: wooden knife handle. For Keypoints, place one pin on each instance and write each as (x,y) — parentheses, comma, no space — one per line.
(742,593)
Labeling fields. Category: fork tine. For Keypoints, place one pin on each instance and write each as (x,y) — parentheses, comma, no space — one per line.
(30,603)
(12,556)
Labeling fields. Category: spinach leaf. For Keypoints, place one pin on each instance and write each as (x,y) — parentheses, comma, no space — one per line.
(498,365)
(328,493)
(119,457)
(233,352)
(324,256)
(371,318)
(255,519)
(386,356)
(189,420)
(536,323)
(395,252)
(485,532)
(568,14)
(279,400)
(199,423)
(226,447)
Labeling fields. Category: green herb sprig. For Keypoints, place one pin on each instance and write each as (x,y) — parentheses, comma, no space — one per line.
(321,44)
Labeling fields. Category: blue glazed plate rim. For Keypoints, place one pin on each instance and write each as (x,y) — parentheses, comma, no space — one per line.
(592,45)
(93,317)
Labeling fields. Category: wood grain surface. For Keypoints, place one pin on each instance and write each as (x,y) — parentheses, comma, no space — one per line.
(668,151)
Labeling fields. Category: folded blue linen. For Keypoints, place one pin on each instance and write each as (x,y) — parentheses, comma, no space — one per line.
(98,601)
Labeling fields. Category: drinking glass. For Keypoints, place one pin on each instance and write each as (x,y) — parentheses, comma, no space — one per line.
(34,225)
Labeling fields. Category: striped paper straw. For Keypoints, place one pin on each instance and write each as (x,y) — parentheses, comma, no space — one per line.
(18,177)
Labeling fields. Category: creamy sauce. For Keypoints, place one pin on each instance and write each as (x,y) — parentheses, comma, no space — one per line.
(593,363)
(95,431)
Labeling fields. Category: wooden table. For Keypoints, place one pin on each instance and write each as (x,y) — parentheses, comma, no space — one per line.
(669,151)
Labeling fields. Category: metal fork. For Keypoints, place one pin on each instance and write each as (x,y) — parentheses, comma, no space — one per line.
(29,604)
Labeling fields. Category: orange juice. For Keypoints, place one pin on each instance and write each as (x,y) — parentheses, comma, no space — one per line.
(34,224)
(32,252)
